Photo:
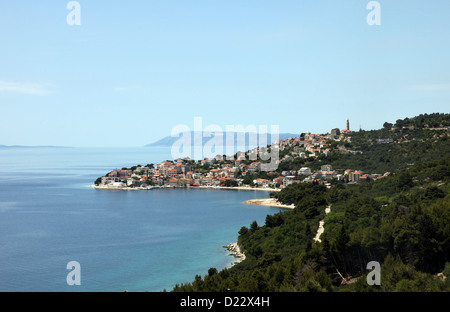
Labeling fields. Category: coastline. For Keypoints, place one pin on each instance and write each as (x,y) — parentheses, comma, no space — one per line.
(235,251)
(232,188)
(271,202)
(233,248)
(239,188)
(118,188)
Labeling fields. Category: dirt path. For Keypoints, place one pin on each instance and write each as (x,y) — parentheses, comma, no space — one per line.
(321,228)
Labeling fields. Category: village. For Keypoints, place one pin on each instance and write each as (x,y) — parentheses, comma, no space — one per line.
(240,172)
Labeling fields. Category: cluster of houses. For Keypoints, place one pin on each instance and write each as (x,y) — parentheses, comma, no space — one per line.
(181,173)
(187,173)
(326,173)
(309,144)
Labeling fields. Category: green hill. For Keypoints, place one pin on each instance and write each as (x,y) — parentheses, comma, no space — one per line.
(401,221)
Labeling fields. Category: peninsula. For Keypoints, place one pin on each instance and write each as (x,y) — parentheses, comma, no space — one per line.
(301,159)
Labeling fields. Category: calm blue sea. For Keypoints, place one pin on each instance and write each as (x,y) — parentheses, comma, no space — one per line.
(123,240)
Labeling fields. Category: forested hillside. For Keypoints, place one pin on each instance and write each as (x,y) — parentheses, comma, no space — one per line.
(401,221)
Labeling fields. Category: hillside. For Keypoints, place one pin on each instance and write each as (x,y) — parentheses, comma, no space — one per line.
(401,221)
(390,148)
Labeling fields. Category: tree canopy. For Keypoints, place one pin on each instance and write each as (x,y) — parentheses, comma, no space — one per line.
(401,221)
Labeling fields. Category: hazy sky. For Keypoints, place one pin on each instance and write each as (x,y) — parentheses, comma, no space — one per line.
(133,70)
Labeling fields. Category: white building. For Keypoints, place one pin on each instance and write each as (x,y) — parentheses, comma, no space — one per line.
(304,171)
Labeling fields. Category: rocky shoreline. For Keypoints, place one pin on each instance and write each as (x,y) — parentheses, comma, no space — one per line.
(235,251)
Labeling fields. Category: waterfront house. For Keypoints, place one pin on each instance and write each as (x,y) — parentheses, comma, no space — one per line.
(173,182)
(261,182)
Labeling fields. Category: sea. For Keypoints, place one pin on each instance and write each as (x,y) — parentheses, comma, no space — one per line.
(141,241)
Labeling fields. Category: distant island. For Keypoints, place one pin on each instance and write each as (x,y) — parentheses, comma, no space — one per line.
(169,140)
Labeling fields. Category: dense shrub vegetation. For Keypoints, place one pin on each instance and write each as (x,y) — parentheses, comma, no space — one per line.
(402,221)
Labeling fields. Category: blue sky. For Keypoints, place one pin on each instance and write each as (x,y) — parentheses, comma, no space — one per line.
(134,70)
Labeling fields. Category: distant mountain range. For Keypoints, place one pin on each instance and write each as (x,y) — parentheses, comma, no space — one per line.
(169,140)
